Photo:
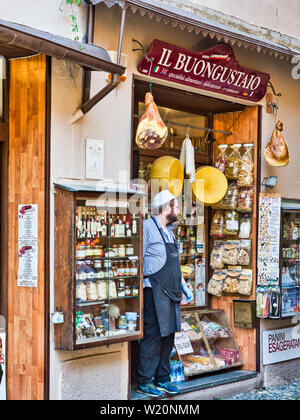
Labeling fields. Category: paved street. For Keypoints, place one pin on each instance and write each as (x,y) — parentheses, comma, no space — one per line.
(283,392)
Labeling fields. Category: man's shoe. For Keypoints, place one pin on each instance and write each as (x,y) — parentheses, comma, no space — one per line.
(150,390)
(168,387)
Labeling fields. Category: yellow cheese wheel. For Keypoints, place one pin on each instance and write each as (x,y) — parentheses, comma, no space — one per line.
(168,171)
(211,185)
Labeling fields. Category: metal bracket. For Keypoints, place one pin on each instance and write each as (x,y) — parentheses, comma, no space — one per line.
(273,89)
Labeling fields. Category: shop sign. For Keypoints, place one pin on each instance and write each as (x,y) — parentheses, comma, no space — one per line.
(214,69)
(281,345)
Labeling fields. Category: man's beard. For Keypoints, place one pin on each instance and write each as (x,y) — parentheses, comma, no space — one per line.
(171,218)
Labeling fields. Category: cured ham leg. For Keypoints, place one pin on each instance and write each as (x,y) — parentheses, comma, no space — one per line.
(277,153)
(151,132)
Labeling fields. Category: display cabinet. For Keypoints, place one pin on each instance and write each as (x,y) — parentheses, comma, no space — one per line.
(290,274)
(98,266)
(206,343)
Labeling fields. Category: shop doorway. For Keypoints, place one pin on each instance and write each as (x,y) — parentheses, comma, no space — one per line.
(230,124)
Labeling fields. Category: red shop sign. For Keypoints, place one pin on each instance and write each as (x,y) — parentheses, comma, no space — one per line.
(215,69)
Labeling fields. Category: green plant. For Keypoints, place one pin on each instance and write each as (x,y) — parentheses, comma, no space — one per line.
(73,16)
(74,22)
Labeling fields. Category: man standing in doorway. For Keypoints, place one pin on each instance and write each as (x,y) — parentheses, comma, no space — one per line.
(163,286)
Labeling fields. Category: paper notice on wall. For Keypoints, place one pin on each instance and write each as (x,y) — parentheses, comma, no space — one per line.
(2,367)
(94,159)
(28,245)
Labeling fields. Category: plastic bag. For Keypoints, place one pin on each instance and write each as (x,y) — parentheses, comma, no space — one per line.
(246,172)
(221,159)
(233,163)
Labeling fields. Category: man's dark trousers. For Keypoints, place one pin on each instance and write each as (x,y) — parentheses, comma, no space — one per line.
(154,350)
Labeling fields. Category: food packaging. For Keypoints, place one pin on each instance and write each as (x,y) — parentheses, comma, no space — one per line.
(246,172)
(245,200)
(230,201)
(233,163)
(221,159)
(217,225)
(231,223)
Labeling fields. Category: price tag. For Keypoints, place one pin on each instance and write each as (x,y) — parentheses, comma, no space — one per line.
(183,344)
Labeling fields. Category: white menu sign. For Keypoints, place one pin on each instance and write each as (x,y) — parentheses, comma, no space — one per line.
(28,245)
(269,239)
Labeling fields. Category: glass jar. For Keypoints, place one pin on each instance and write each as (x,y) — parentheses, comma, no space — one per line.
(133,269)
(127,291)
(121,291)
(80,271)
(97,264)
(97,251)
(135,291)
(121,268)
(80,252)
(129,250)
(122,251)
(116,250)
(89,251)
(127,270)
(122,323)
(89,270)
(110,253)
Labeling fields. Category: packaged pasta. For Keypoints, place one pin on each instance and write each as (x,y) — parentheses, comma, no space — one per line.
(230,201)
(230,253)
(245,200)
(216,257)
(245,227)
(217,225)
(233,163)
(245,283)
(244,253)
(216,284)
(231,223)
(231,282)
(246,172)
(221,159)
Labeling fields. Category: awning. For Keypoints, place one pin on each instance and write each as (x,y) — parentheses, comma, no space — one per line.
(175,16)
(22,41)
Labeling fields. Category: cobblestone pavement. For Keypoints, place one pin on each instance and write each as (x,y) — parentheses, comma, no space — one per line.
(282,392)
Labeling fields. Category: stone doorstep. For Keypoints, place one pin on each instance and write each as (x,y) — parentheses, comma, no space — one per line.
(211,381)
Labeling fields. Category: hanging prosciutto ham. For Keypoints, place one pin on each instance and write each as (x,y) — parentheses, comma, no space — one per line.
(277,153)
(151,132)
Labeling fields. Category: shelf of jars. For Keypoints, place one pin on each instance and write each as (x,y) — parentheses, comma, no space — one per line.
(99,291)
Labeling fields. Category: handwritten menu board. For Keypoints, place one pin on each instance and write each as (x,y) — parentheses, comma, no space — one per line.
(269,239)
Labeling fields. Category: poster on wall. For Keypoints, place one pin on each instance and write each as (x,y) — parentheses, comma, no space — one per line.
(2,366)
(269,239)
(94,159)
(28,245)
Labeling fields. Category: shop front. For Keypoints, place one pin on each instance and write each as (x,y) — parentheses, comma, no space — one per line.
(219,249)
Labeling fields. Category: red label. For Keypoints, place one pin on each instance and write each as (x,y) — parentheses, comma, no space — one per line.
(215,69)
